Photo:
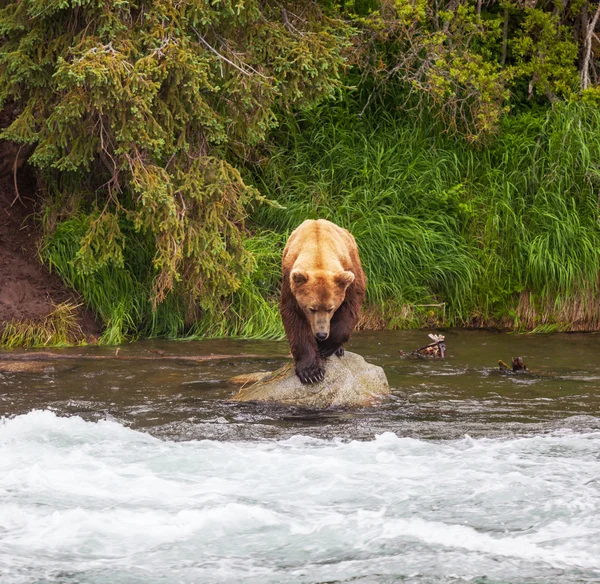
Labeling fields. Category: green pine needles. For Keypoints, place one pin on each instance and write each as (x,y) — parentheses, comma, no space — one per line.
(138,108)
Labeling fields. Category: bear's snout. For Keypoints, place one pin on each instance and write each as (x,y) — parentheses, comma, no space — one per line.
(321,336)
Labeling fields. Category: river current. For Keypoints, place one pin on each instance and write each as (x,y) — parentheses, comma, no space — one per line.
(142,471)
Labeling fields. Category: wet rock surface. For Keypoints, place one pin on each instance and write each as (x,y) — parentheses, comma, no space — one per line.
(349,382)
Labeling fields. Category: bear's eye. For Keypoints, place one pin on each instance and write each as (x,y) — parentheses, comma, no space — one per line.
(312,309)
(330,309)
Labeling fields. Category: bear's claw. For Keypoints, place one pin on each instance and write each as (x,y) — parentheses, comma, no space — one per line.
(312,373)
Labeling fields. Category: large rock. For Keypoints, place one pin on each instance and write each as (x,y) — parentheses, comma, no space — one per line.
(349,382)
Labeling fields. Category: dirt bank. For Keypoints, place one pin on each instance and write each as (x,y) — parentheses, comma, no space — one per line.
(27,289)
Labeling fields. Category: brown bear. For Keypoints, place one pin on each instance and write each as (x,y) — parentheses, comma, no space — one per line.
(321,295)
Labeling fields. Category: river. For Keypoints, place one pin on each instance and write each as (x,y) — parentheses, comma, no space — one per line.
(126,471)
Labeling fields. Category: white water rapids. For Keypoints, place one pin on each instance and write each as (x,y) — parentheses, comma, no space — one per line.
(101,503)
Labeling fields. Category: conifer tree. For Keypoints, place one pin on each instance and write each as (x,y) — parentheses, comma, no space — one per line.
(137,108)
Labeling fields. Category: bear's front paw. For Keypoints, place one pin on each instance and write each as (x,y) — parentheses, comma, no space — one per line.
(310,373)
(339,352)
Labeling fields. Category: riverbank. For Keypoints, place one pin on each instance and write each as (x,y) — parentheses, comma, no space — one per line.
(501,236)
(36,308)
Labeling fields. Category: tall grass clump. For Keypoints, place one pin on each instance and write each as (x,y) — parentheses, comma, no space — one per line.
(119,293)
(542,236)
(252,312)
(60,328)
(397,186)
(441,222)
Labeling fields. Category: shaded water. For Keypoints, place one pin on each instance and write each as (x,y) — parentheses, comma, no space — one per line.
(143,471)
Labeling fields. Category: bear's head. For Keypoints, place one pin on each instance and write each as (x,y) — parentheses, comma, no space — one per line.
(319,294)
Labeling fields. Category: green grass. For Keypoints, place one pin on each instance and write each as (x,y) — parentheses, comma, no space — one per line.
(115,294)
(253,311)
(59,329)
(439,221)
(503,234)
(119,295)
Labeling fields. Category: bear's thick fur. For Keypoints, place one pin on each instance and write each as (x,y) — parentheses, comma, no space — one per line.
(321,295)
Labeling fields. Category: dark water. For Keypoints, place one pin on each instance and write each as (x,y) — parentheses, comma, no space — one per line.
(142,471)
(431,398)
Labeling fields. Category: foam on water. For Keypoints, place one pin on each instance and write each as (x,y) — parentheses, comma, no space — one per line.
(99,502)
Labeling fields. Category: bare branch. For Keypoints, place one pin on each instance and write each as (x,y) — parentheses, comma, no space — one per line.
(589,33)
(504,36)
(16,182)
(222,57)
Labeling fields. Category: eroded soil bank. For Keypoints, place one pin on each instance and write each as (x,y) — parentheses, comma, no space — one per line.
(28,291)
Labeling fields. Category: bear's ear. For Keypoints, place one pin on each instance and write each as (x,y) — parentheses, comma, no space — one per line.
(344,279)
(299,277)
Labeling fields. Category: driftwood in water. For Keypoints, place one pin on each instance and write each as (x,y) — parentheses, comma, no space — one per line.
(48,356)
(517,365)
(437,349)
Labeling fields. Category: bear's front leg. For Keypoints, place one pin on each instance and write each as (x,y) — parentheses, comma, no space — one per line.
(309,365)
(326,349)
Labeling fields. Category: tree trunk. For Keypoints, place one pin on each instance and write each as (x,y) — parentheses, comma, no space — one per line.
(559,8)
(587,49)
(452,6)
(504,37)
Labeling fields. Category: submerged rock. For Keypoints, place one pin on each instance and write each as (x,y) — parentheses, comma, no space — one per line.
(349,382)
(23,366)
